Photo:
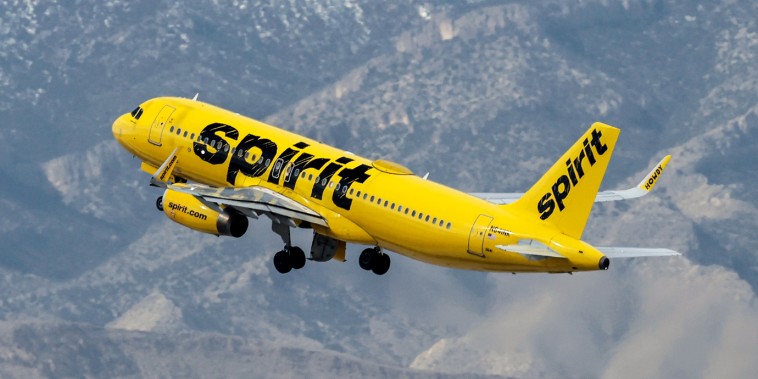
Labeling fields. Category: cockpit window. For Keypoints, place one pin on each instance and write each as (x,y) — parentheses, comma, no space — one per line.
(137,112)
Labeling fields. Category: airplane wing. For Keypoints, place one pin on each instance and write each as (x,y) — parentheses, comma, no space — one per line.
(252,201)
(256,200)
(642,189)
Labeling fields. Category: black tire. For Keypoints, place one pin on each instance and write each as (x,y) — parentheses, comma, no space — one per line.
(282,262)
(297,255)
(366,259)
(381,264)
(159,203)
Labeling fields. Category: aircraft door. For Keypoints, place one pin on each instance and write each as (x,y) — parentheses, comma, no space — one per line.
(156,130)
(476,238)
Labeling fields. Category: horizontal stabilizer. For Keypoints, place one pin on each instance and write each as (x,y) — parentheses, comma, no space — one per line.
(530,247)
(634,252)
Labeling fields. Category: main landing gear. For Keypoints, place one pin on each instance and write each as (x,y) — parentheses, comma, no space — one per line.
(289,258)
(159,203)
(375,260)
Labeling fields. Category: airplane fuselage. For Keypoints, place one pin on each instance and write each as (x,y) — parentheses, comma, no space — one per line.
(366,202)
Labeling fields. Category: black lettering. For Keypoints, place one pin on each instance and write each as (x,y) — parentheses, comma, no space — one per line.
(268,153)
(546,206)
(282,162)
(220,155)
(303,162)
(318,188)
(600,147)
(578,164)
(571,172)
(588,150)
(349,176)
(561,193)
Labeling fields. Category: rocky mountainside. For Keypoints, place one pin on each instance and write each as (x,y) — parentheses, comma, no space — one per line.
(482,94)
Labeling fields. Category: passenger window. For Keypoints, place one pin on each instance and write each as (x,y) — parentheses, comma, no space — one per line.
(268,161)
(364,196)
(358,194)
(297,171)
(185,134)
(449,225)
(386,203)
(331,184)
(413,214)
(178,131)
(442,222)
(406,210)
(351,192)
(372,198)
(171,130)
(420,216)
(205,141)
(434,221)
(226,148)
(338,186)
(247,155)
(392,206)
(427,218)
(344,190)
(399,208)
(310,177)
(379,200)
(192,137)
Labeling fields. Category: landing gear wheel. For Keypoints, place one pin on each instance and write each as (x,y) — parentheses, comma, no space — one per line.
(159,203)
(366,259)
(282,262)
(381,264)
(297,256)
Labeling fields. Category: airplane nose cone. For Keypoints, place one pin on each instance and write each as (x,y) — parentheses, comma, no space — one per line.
(604,263)
(117,128)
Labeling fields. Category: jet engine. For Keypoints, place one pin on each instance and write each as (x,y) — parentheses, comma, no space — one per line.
(189,211)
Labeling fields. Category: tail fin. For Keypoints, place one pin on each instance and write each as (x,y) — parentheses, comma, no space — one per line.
(565,194)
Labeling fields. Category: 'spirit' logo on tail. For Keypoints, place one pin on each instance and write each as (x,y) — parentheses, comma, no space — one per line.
(572,177)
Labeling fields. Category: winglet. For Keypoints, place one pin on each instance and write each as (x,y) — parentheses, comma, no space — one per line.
(648,183)
(163,175)
(642,189)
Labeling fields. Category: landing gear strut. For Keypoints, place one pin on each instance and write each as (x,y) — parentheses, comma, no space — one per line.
(375,260)
(291,256)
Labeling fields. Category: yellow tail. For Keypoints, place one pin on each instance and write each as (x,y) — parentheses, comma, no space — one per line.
(565,194)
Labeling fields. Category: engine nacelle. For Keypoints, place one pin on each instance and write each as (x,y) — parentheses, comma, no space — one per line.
(187,210)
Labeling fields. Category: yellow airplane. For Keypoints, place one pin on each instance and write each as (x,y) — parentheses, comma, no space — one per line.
(219,168)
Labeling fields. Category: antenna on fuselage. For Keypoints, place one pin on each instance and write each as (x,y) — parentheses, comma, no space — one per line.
(426,176)
(196,95)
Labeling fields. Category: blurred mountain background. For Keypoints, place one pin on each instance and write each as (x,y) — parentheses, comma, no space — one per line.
(484,95)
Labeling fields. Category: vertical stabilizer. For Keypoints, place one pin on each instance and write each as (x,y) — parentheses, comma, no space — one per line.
(565,194)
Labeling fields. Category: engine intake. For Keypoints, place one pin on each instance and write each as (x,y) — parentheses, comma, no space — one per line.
(187,210)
